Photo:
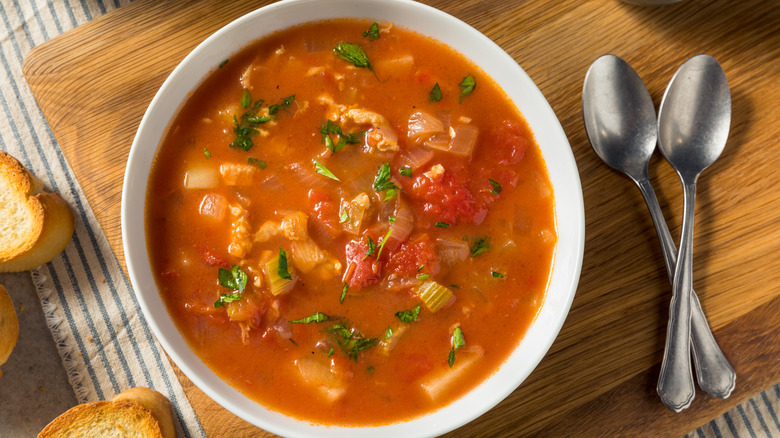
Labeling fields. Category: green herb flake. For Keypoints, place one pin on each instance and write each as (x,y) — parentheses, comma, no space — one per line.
(457,342)
(330,352)
(322,170)
(343,293)
(496,187)
(344,216)
(382,182)
(391,219)
(354,54)
(435,94)
(370,369)
(257,162)
(206,153)
(423,276)
(382,244)
(420,268)
(388,332)
(497,274)
(282,270)
(441,224)
(315,317)
(371,248)
(372,32)
(405,171)
(286,102)
(246,99)
(408,316)
(481,245)
(235,278)
(227,298)
(222,64)
(293,341)
(350,341)
(467,86)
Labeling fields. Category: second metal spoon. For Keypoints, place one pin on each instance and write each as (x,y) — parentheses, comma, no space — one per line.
(621,125)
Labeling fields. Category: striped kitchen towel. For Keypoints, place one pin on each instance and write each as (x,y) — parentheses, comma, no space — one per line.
(97,324)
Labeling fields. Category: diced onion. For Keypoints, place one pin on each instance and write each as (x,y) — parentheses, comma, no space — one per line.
(387,345)
(201,177)
(355,210)
(213,206)
(422,125)
(452,251)
(462,139)
(440,141)
(433,295)
(404,222)
(416,158)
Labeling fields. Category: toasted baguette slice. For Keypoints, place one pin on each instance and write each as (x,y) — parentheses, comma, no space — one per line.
(34,226)
(135,413)
(9,326)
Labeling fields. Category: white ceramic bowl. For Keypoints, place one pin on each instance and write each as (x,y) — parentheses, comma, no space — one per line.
(475,46)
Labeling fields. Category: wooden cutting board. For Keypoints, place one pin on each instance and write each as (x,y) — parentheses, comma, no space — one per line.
(94,83)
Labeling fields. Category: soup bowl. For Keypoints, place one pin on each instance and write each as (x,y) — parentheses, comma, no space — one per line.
(496,63)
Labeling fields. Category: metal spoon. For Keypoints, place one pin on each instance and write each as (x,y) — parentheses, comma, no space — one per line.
(693,125)
(621,125)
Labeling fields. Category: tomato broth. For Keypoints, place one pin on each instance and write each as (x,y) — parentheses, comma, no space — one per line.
(350,223)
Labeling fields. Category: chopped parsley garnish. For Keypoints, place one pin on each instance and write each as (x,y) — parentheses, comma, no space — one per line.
(423,276)
(467,86)
(382,182)
(370,369)
(457,342)
(315,317)
(481,244)
(354,54)
(420,268)
(405,171)
(257,162)
(435,94)
(206,153)
(408,316)
(343,292)
(344,139)
(371,247)
(441,224)
(496,187)
(388,332)
(286,101)
(391,219)
(282,270)
(322,170)
(351,341)
(344,216)
(382,244)
(372,32)
(330,352)
(246,99)
(222,64)
(235,279)
(497,274)
(227,298)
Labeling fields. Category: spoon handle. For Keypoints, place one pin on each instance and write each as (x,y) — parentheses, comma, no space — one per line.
(715,374)
(675,383)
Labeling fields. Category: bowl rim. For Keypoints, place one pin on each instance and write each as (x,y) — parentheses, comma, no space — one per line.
(423,19)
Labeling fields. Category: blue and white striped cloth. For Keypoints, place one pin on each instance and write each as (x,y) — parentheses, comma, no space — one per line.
(105,344)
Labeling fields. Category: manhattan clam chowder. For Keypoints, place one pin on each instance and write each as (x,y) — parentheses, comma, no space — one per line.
(350,223)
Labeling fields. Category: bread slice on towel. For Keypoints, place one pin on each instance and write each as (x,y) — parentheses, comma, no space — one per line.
(135,413)
(9,326)
(35,226)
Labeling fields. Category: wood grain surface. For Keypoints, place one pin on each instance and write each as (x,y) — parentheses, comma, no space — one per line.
(94,83)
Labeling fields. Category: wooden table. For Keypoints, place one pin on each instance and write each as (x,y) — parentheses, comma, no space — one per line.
(94,83)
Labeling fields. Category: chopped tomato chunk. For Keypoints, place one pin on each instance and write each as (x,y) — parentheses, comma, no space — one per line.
(211,257)
(324,216)
(445,197)
(415,255)
(361,271)
(507,144)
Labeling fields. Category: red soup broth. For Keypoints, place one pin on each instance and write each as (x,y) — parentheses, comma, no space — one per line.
(419,252)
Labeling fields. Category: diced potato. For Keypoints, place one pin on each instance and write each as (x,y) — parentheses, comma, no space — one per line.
(213,206)
(440,382)
(397,66)
(234,174)
(201,177)
(318,374)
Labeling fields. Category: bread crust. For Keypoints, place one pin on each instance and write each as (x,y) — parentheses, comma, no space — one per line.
(136,412)
(9,326)
(34,226)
